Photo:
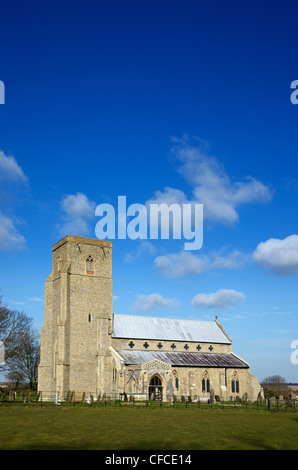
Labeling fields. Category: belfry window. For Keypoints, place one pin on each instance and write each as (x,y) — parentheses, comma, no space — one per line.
(89,265)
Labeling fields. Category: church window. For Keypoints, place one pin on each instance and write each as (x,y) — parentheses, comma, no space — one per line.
(235,386)
(131,344)
(206,383)
(198,347)
(159,345)
(186,347)
(89,265)
(114,373)
(173,346)
(89,318)
(210,348)
(176,379)
(146,345)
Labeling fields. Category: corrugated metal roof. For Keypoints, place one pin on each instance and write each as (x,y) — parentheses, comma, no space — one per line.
(139,327)
(182,358)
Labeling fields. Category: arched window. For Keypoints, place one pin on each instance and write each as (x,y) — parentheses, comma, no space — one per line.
(114,372)
(206,383)
(176,379)
(235,387)
(89,265)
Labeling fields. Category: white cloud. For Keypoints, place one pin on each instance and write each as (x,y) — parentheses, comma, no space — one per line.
(10,238)
(146,303)
(211,186)
(232,260)
(10,169)
(183,264)
(10,172)
(279,255)
(221,299)
(143,247)
(78,210)
(35,299)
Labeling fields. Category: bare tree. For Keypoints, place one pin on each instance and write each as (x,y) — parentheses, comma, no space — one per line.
(14,328)
(274,386)
(23,367)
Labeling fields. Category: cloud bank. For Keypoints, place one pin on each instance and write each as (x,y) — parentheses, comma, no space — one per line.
(210,185)
(77,212)
(223,298)
(279,255)
(146,303)
(10,174)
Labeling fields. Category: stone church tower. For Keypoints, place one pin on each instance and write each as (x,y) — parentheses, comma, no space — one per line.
(75,337)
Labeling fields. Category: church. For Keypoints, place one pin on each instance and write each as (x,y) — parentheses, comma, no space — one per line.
(87,350)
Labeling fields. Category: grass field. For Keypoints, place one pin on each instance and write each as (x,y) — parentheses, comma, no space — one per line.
(86,428)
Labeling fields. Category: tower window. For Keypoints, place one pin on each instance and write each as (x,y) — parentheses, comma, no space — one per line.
(89,265)
(89,318)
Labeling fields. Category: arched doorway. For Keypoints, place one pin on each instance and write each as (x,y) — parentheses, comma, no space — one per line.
(155,388)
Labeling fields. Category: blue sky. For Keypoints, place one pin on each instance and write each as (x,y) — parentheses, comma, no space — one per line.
(158,101)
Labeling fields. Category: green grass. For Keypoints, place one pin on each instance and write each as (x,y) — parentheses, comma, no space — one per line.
(120,428)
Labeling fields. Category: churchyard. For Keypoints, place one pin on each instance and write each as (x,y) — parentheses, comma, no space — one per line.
(119,427)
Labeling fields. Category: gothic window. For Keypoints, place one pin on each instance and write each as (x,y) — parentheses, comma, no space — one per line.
(114,372)
(176,379)
(206,383)
(235,383)
(89,265)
